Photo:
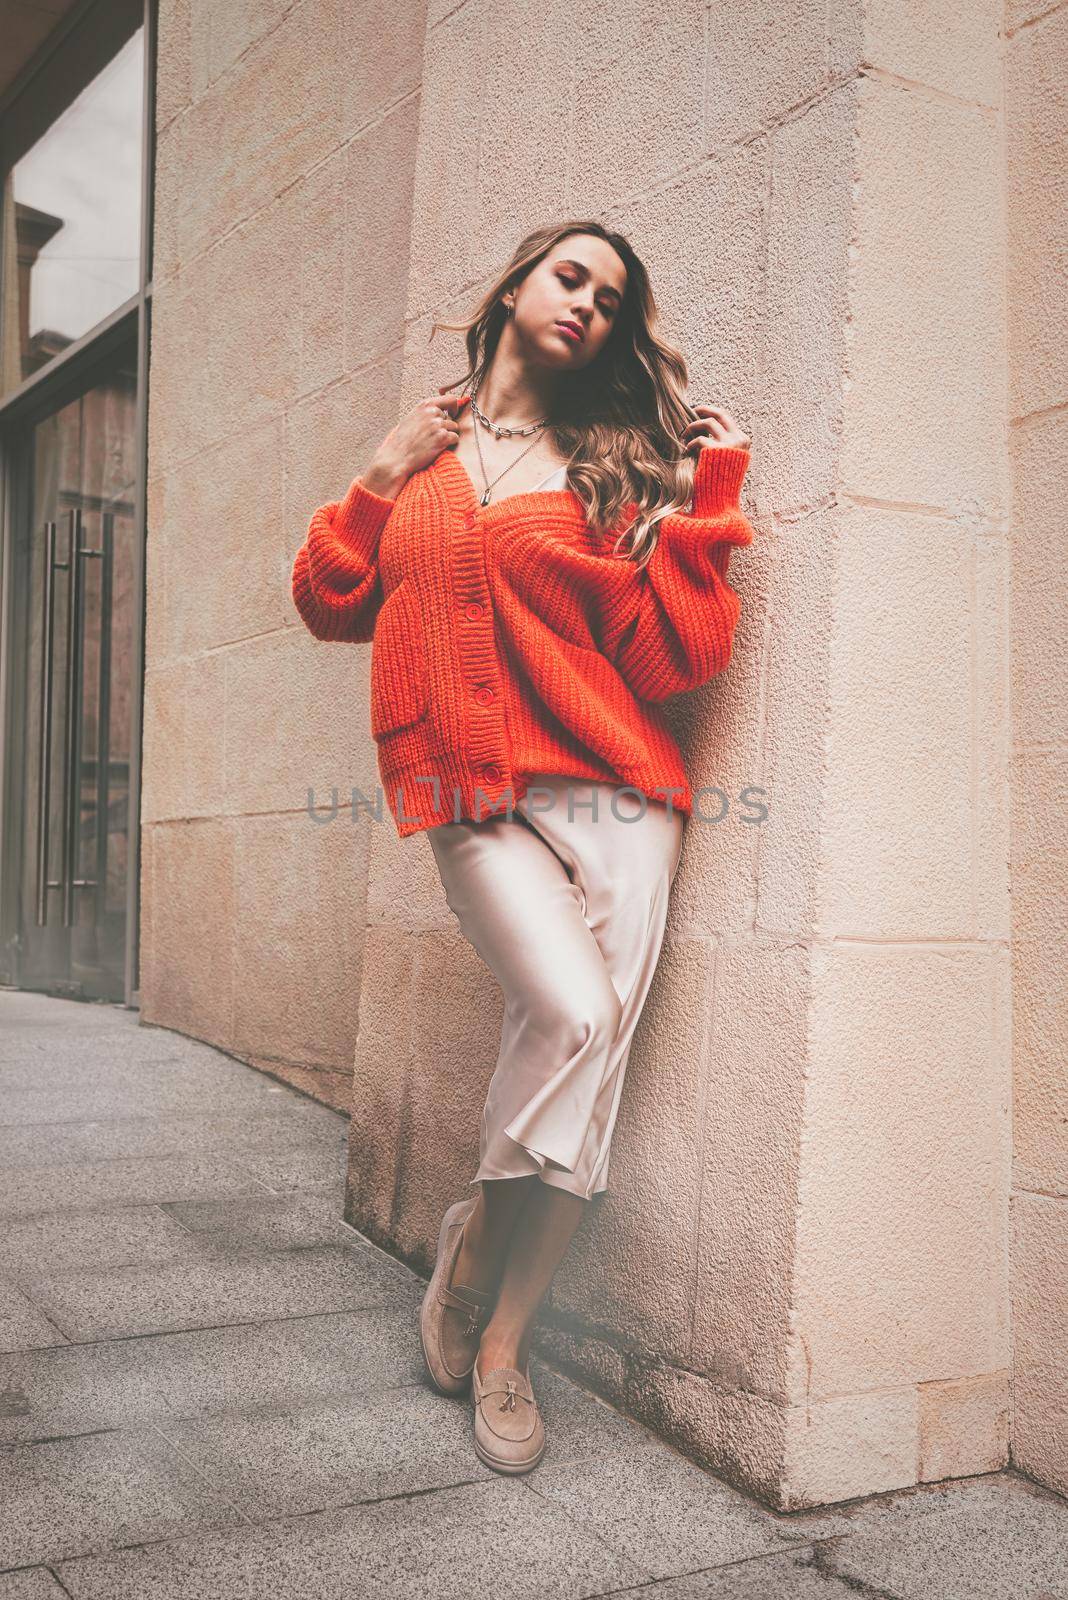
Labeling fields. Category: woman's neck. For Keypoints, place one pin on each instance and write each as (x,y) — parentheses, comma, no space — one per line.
(514,395)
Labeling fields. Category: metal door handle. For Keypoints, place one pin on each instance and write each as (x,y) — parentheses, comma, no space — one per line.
(75,569)
(72,777)
(44,744)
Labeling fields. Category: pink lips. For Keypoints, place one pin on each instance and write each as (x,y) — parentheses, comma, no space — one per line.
(569,328)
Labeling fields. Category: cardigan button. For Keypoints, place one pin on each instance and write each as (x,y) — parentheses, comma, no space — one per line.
(469,520)
(483,696)
(491,774)
(474,611)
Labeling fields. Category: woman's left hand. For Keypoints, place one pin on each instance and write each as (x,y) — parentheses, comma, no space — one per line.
(715,428)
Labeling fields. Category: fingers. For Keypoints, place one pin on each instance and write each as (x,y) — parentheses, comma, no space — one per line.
(443,410)
(705,431)
(714,426)
(709,419)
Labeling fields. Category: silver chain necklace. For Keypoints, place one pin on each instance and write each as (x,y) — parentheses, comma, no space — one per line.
(501,432)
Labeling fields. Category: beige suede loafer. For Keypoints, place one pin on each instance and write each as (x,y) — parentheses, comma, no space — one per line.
(451,1319)
(509,1432)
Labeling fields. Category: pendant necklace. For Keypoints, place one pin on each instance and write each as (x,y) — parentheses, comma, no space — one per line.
(501,432)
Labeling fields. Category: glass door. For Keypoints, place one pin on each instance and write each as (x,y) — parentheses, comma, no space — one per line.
(77,154)
(79,575)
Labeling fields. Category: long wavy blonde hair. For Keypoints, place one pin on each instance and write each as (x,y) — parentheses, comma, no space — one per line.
(619,420)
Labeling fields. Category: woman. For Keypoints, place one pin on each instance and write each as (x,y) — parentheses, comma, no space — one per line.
(521,557)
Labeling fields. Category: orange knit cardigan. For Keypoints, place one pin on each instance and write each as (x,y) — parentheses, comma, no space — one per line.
(509,640)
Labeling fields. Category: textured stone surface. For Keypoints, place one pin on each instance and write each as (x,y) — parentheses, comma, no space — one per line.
(900,1272)
(68,1497)
(343,175)
(998,1539)
(1036,126)
(663,1512)
(454,1542)
(964,1427)
(796,1576)
(285,1447)
(32,1583)
(1040,1317)
(138,1300)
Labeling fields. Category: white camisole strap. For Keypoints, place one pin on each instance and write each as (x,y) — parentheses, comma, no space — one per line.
(555,480)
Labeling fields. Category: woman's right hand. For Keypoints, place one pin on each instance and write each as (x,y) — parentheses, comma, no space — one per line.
(429,427)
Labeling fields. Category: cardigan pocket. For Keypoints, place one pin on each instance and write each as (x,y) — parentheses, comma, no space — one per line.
(399,672)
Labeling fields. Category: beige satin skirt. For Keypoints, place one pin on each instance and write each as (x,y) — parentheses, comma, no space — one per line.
(567,908)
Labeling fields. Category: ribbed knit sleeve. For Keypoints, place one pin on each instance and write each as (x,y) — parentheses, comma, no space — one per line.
(336,583)
(680,632)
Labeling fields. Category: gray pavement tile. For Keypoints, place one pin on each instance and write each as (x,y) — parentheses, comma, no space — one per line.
(32,1583)
(362,1447)
(330,1189)
(39,1034)
(985,1539)
(57,1022)
(128,1097)
(660,1510)
(31,1145)
(61,1055)
(989,1490)
(69,1044)
(274,1222)
(579,1426)
(77,1388)
(23,1041)
(22,1325)
(20,1038)
(168,1044)
(70,1073)
(484,1541)
(299,1168)
(27,1007)
(69,1064)
(48,1394)
(794,1576)
(284,1363)
(66,1241)
(207,1071)
(79,1496)
(155,1299)
(28,1191)
(18,1045)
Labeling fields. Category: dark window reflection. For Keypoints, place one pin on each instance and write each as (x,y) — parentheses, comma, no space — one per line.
(72,219)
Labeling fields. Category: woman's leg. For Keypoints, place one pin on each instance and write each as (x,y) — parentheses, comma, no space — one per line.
(542,1232)
(622,861)
(518,906)
(512,1243)
(488,1229)
(568,910)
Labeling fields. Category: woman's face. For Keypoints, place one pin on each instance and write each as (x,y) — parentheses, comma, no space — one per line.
(581,281)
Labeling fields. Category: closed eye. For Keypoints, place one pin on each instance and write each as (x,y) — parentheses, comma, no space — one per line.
(608,308)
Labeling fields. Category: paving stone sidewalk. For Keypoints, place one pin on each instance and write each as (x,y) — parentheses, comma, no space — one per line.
(211,1386)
